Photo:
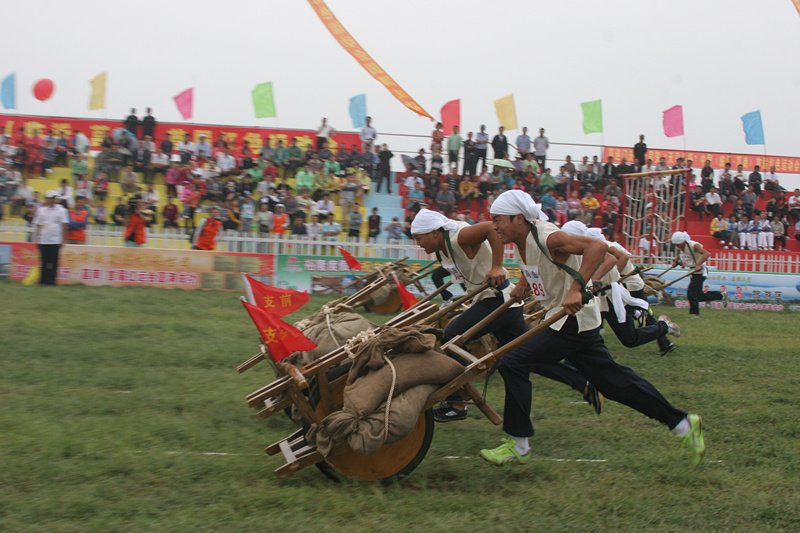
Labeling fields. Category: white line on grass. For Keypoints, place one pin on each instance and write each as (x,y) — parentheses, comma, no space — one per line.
(554,459)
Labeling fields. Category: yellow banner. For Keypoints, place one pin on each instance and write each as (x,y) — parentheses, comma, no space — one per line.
(352,47)
(97,100)
(506,112)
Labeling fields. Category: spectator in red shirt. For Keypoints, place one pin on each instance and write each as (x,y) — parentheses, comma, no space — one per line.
(170,214)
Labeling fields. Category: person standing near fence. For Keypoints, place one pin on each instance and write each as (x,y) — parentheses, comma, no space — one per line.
(207,234)
(692,255)
(50,222)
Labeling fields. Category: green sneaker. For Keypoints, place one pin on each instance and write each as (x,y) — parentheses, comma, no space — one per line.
(504,453)
(694,439)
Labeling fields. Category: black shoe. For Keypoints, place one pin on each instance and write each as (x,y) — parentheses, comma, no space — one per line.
(671,348)
(446,413)
(594,397)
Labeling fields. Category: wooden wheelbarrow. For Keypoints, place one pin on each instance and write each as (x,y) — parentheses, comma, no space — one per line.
(317,392)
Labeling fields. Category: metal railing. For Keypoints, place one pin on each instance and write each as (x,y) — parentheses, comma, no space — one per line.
(382,248)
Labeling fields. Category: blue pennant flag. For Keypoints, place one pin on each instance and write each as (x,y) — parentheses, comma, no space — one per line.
(358,110)
(8,94)
(753,128)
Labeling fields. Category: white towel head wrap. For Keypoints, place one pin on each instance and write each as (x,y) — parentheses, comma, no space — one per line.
(680,237)
(427,221)
(574,227)
(518,202)
(595,233)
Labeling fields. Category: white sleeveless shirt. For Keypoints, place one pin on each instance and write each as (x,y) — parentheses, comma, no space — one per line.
(470,272)
(554,282)
(688,259)
(632,283)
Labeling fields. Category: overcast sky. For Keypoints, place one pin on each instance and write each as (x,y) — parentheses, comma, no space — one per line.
(718,58)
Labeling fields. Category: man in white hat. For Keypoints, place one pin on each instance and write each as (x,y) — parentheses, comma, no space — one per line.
(557,269)
(472,255)
(50,222)
(692,255)
(618,306)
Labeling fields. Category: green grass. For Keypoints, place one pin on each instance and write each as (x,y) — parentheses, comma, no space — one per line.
(112,399)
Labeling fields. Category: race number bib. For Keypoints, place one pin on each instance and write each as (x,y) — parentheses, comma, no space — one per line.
(454,273)
(531,274)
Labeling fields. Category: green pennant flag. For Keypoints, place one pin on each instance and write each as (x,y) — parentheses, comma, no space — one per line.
(263,100)
(592,116)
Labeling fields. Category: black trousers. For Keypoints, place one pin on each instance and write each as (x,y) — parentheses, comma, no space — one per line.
(649,319)
(591,358)
(437,276)
(481,156)
(542,160)
(384,175)
(507,327)
(49,263)
(696,294)
(629,335)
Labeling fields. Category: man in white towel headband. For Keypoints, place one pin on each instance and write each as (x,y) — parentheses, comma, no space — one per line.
(618,307)
(473,254)
(692,255)
(557,267)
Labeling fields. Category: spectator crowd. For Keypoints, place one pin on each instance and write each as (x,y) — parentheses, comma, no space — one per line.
(288,189)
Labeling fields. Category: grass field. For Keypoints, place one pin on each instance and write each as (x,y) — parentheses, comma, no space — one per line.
(122,411)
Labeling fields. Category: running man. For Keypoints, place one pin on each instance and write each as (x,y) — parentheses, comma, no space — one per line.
(692,255)
(472,255)
(618,307)
(557,269)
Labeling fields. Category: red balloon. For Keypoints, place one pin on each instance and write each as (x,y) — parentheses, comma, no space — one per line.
(43,89)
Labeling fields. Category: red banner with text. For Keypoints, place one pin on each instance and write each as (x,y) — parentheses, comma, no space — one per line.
(789,165)
(97,129)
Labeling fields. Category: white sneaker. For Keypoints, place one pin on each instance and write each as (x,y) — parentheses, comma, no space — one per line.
(672,328)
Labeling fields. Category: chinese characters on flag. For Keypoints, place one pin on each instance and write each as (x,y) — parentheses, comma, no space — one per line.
(278,302)
(282,339)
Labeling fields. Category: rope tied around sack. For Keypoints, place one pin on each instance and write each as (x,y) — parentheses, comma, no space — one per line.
(351,347)
(389,399)
(325,311)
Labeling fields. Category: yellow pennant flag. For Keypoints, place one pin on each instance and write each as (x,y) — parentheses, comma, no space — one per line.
(97,100)
(506,112)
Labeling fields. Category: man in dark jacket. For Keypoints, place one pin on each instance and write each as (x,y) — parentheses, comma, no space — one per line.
(500,144)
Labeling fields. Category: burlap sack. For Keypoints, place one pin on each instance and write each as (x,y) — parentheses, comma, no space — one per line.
(343,326)
(391,341)
(367,435)
(429,367)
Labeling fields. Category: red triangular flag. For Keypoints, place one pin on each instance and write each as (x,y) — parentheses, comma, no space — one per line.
(406,298)
(451,116)
(351,261)
(282,339)
(276,301)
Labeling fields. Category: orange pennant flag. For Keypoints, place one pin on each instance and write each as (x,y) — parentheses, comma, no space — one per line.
(352,47)
(406,298)
(278,302)
(282,339)
(351,261)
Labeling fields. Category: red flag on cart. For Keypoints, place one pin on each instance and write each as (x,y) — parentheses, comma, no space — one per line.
(406,298)
(351,261)
(275,301)
(282,339)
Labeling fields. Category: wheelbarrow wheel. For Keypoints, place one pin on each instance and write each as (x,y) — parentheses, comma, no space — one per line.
(392,462)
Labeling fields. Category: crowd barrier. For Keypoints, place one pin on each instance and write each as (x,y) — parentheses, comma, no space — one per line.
(310,265)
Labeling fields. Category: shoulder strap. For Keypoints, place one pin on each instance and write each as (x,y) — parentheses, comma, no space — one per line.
(569,270)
